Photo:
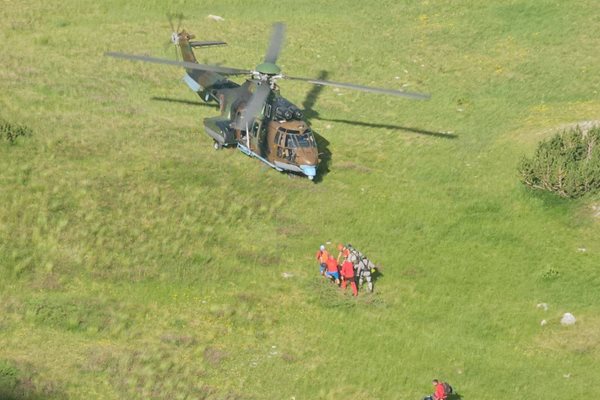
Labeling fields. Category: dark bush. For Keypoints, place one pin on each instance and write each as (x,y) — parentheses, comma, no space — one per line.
(567,164)
(11,132)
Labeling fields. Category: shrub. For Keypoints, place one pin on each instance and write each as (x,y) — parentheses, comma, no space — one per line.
(11,132)
(567,164)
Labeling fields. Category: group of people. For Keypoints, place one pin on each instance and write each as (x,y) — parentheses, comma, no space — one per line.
(355,266)
(349,267)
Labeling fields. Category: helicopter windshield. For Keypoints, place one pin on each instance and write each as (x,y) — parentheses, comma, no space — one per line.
(306,139)
(290,141)
(294,139)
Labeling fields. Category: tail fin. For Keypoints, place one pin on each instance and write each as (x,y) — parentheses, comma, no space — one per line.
(183,40)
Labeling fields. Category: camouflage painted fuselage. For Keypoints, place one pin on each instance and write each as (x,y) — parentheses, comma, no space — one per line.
(279,136)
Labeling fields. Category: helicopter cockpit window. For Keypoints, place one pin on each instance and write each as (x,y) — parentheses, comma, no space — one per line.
(306,139)
(290,141)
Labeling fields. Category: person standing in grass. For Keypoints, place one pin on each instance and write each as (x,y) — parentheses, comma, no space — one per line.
(348,276)
(322,256)
(343,254)
(332,269)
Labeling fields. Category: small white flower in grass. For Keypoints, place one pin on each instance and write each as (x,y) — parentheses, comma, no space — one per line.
(544,322)
(543,306)
(215,18)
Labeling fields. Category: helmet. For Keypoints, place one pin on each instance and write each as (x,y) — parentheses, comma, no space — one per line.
(322,248)
(340,247)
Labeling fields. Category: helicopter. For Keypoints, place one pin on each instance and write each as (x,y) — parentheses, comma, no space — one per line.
(254,116)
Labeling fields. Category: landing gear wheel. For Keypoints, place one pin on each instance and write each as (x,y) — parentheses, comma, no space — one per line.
(217,145)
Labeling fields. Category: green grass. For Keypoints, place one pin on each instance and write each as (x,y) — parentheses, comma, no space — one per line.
(137,262)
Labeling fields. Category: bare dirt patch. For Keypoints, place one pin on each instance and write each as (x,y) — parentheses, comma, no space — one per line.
(581,338)
(596,210)
(214,356)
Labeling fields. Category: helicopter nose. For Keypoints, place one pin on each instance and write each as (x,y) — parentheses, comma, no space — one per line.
(309,170)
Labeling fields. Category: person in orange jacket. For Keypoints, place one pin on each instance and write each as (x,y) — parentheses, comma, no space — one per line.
(332,269)
(348,276)
(322,256)
(343,254)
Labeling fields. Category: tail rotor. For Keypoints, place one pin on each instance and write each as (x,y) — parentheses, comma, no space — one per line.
(174,31)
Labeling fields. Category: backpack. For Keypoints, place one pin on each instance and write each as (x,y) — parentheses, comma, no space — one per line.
(447,389)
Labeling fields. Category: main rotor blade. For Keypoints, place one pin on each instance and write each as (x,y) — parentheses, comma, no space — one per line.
(184,64)
(254,106)
(392,92)
(313,94)
(276,43)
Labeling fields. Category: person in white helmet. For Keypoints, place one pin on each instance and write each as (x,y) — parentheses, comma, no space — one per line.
(322,256)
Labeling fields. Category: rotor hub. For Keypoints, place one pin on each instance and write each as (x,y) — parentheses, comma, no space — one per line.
(268,68)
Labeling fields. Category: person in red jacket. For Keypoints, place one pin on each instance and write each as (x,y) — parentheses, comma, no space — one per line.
(442,391)
(332,269)
(348,276)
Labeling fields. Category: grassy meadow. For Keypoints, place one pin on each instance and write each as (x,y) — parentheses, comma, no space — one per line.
(136,262)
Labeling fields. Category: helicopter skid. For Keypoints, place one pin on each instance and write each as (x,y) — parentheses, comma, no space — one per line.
(250,153)
(288,167)
(309,170)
